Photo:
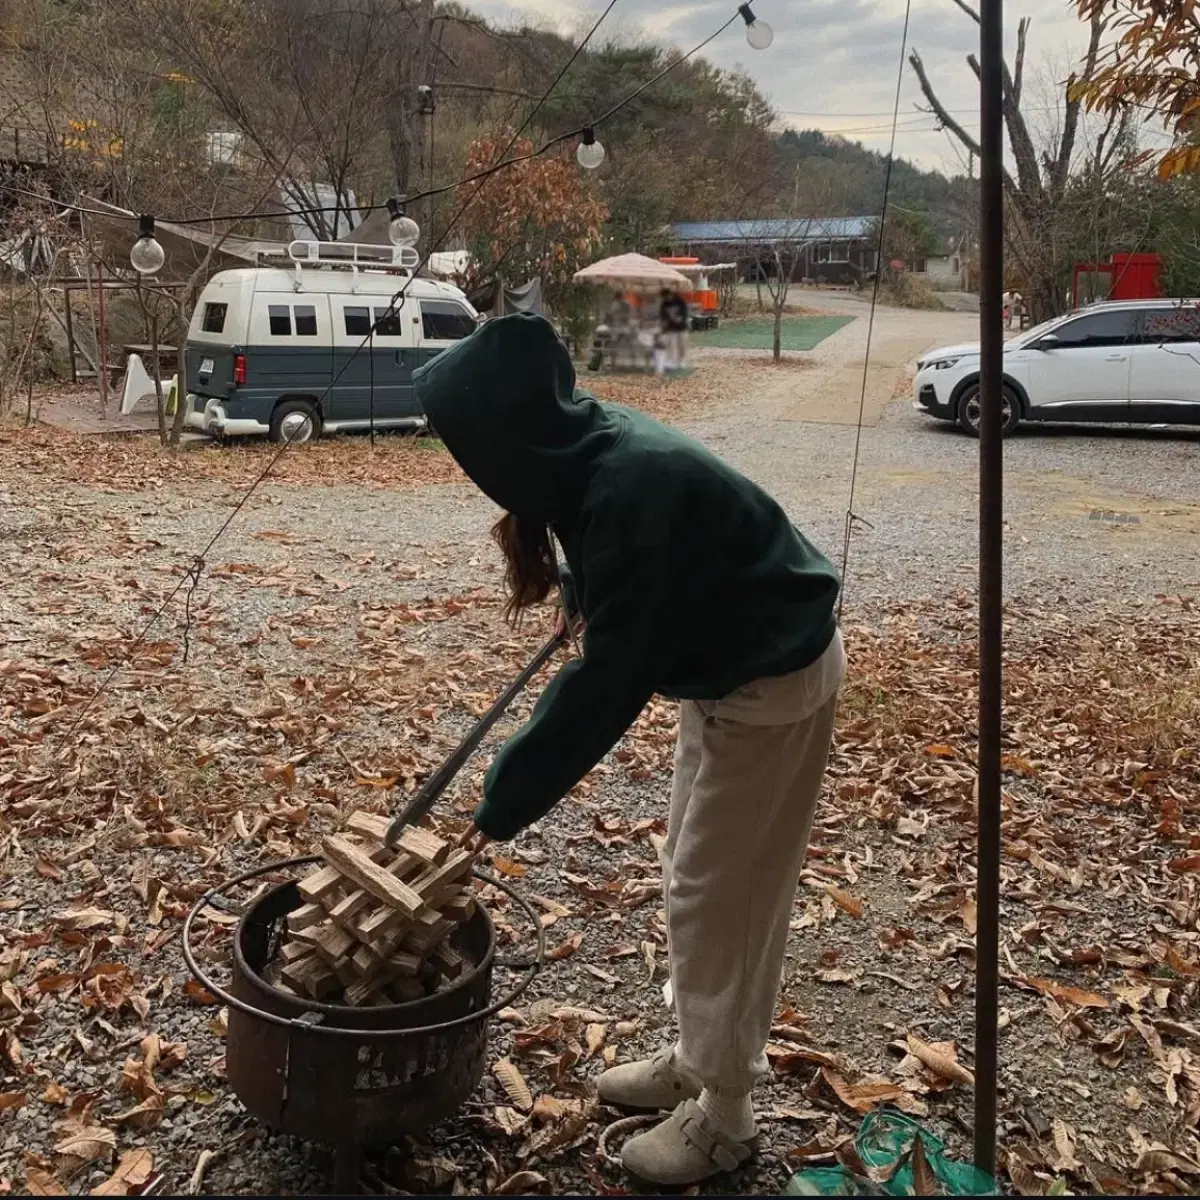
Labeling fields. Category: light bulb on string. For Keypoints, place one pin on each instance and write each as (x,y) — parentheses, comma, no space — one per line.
(589,154)
(758,33)
(147,255)
(402,229)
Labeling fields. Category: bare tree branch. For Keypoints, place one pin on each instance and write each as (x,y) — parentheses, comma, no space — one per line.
(1062,166)
(1019,62)
(939,109)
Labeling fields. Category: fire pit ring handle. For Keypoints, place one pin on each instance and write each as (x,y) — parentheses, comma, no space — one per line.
(310,1025)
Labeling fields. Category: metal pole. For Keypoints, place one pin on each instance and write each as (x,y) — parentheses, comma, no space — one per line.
(102,373)
(991,561)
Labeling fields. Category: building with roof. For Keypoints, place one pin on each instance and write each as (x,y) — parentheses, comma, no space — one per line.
(834,250)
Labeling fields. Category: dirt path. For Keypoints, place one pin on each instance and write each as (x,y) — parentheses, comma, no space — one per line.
(830,391)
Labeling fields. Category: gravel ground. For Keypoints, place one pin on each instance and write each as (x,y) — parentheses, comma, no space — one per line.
(390,591)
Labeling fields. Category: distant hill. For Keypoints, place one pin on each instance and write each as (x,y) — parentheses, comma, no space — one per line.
(844,178)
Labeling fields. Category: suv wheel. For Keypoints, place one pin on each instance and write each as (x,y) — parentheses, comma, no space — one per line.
(970,411)
(295,421)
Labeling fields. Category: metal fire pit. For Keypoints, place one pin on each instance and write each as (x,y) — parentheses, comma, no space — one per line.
(352,1077)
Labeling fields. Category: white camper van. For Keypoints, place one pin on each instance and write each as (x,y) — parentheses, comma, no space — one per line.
(279,348)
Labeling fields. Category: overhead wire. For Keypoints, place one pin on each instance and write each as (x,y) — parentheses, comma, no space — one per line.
(862,401)
(193,572)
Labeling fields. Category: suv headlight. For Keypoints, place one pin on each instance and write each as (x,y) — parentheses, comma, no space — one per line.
(944,364)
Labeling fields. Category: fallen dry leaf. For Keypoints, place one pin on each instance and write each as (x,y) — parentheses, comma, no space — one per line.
(565,949)
(862,1097)
(506,866)
(144,1115)
(846,901)
(513,1082)
(84,918)
(42,1183)
(509,1120)
(132,1171)
(1067,994)
(924,1182)
(89,1143)
(570,1012)
(1064,1146)
(1152,1161)
(197,993)
(940,1062)
(523,1183)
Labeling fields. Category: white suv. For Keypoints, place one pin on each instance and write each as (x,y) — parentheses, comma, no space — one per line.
(1120,362)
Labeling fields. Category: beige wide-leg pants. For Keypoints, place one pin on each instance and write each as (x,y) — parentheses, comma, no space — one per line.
(748,773)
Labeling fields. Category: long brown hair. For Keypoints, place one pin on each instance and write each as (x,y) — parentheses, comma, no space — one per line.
(530,567)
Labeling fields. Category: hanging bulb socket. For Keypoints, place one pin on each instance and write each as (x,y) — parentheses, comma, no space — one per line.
(758,33)
(402,229)
(589,154)
(147,255)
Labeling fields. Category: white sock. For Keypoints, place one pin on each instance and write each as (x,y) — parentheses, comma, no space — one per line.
(732,1115)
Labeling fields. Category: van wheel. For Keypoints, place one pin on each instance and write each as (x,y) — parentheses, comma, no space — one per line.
(295,421)
(970,411)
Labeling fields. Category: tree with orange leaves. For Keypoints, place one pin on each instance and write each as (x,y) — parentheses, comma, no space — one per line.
(534,218)
(1152,64)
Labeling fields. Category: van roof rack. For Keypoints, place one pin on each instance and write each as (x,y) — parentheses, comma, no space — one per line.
(401,260)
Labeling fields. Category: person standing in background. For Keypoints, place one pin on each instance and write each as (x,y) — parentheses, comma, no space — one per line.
(673,313)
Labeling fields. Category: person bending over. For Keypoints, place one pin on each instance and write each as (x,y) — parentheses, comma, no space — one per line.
(691,583)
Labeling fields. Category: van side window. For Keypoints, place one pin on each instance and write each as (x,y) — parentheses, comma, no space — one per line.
(358,321)
(214,318)
(306,320)
(445,321)
(280,316)
(387,322)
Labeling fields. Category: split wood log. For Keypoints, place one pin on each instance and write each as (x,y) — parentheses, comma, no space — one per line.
(382,884)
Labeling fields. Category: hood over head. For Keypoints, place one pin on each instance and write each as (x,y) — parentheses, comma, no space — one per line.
(504,402)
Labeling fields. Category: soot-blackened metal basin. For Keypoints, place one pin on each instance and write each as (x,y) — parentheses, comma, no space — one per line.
(352,1077)
(366,1084)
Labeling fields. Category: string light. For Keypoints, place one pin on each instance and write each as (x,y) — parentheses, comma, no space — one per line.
(589,154)
(147,255)
(758,33)
(402,229)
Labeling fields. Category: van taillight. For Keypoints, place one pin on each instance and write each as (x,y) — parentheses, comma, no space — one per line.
(239,370)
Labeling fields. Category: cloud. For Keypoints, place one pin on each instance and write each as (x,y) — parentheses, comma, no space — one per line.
(833,63)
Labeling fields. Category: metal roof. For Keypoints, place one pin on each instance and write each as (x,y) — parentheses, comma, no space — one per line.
(774,229)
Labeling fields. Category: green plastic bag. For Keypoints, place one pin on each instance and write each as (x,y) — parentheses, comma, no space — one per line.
(885,1147)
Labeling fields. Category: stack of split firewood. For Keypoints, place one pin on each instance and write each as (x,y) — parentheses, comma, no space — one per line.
(376,923)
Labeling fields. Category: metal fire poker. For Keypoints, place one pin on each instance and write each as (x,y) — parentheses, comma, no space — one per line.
(437,783)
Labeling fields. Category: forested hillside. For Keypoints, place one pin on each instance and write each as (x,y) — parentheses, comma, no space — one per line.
(322,91)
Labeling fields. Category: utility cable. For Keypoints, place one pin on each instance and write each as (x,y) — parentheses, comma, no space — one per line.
(862,400)
(192,574)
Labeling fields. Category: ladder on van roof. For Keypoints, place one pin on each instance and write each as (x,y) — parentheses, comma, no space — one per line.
(353,256)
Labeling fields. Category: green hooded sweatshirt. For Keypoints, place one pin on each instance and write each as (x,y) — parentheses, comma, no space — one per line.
(692,580)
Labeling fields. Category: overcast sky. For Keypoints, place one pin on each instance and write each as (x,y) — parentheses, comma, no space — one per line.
(833,63)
